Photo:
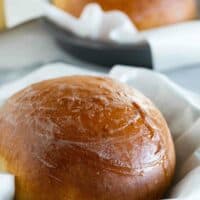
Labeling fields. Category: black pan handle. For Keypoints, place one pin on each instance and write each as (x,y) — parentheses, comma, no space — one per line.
(100,52)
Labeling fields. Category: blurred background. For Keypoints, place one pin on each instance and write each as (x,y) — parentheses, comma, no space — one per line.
(34,33)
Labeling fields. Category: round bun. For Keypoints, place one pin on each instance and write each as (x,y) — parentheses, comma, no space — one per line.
(85,138)
(145,14)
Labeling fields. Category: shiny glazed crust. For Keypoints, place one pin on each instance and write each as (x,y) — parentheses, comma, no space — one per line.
(144,13)
(85,138)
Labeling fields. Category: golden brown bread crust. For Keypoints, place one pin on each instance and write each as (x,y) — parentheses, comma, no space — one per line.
(144,13)
(85,138)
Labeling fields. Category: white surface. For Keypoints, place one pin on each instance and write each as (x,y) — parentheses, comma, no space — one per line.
(7,187)
(19,11)
(31,45)
(180,108)
(172,46)
(26,46)
(175,46)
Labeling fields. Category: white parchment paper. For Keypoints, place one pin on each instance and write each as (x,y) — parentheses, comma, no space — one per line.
(172,46)
(181,109)
(7,187)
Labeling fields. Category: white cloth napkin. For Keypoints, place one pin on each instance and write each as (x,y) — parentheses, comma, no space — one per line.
(180,108)
(171,46)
